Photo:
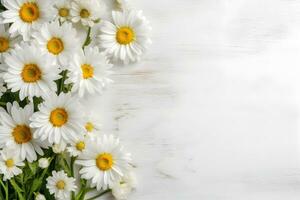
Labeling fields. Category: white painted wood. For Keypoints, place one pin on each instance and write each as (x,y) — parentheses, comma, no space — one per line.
(212,112)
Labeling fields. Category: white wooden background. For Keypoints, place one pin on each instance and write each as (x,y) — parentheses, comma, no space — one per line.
(212,112)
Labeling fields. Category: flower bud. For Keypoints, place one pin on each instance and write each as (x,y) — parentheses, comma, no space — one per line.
(40,197)
(43,163)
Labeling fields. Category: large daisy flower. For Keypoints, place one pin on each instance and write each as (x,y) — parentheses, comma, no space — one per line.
(30,72)
(89,71)
(16,133)
(60,42)
(61,185)
(87,12)
(62,10)
(10,164)
(127,38)
(26,15)
(103,162)
(58,120)
(7,43)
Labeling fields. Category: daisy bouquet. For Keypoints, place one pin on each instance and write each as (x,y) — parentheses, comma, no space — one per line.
(52,55)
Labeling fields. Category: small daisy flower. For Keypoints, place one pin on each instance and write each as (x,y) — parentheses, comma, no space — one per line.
(87,12)
(26,15)
(77,146)
(10,164)
(127,38)
(16,133)
(30,72)
(62,10)
(7,43)
(61,185)
(58,120)
(89,71)
(103,162)
(59,42)
(92,125)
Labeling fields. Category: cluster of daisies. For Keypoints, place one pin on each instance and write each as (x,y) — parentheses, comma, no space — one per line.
(53,54)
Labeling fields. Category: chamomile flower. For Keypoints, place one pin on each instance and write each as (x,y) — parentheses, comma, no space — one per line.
(59,42)
(62,10)
(127,38)
(16,133)
(103,162)
(92,125)
(58,120)
(7,42)
(30,72)
(87,12)
(89,71)
(77,146)
(60,185)
(10,164)
(26,15)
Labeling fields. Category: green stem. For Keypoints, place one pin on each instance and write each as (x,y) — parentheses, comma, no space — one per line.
(72,172)
(2,104)
(17,189)
(5,187)
(99,195)
(62,81)
(87,39)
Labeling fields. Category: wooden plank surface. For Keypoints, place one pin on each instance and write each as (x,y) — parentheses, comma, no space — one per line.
(212,112)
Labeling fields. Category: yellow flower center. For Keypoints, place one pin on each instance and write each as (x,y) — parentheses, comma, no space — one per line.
(104,161)
(89,127)
(4,44)
(9,163)
(31,73)
(87,71)
(63,12)
(29,12)
(58,117)
(60,185)
(125,35)
(22,134)
(55,46)
(80,146)
(84,13)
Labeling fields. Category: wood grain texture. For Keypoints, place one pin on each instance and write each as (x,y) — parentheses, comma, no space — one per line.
(212,111)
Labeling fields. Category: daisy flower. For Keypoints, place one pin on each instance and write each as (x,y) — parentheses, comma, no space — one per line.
(16,133)
(92,124)
(89,71)
(26,15)
(7,42)
(60,42)
(10,164)
(77,146)
(62,10)
(58,120)
(30,72)
(87,12)
(103,162)
(61,185)
(127,38)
